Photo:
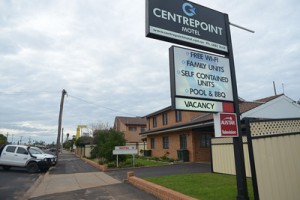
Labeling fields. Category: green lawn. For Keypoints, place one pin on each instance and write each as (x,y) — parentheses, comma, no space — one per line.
(148,162)
(203,186)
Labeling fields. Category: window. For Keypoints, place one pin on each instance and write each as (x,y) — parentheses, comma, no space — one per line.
(154,122)
(205,139)
(21,150)
(165,142)
(152,142)
(178,116)
(165,119)
(11,149)
(132,128)
(183,142)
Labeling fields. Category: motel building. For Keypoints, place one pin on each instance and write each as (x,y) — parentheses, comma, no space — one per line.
(186,135)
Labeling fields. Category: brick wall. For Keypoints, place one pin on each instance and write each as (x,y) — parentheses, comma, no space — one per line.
(174,144)
(157,190)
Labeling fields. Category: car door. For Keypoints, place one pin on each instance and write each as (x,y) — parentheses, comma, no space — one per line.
(7,157)
(21,156)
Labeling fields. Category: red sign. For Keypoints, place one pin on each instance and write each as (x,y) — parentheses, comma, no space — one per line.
(225,125)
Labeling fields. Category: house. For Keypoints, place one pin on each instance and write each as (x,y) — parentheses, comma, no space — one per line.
(131,127)
(187,135)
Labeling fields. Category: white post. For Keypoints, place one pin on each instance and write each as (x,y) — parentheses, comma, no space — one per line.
(117,160)
(133,160)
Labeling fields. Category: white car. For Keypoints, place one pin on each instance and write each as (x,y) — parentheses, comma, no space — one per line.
(20,156)
(37,151)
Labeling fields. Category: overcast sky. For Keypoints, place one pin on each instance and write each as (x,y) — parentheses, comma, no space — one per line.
(97,51)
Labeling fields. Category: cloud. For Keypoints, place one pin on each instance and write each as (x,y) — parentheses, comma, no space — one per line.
(98,52)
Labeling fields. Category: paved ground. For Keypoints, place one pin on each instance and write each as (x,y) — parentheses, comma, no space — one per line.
(72,178)
(165,170)
(15,182)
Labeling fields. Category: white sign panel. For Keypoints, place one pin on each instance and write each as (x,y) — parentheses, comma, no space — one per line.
(122,150)
(198,105)
(200,75)
(125,151)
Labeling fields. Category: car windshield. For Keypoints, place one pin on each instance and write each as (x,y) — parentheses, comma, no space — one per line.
(35,150)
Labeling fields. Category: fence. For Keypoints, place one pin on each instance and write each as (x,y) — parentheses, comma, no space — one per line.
(272,150)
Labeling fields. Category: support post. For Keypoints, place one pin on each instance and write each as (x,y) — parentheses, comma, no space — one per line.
(242,192)
(64,92)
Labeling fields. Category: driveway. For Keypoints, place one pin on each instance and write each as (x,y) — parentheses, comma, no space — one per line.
(165,170)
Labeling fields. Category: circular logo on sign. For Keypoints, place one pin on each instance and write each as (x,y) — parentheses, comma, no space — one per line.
(189,9)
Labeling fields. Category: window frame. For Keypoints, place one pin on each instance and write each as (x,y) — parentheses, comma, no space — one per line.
(178,115)
(152,143)
(154,122)
(165,118)
(11,149)
(183,141)
(205,140)
(132,128)
(22,150)
(165,142)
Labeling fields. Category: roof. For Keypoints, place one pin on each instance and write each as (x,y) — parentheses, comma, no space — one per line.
(159,111)
(131,120)
(267,99)
(207,119)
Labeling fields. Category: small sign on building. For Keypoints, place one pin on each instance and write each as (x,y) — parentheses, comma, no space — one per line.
(225,125)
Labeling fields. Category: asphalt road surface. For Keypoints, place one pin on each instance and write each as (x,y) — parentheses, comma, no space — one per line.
(15,182)
(165,170)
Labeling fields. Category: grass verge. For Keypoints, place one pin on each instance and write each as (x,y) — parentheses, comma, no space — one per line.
(203,186)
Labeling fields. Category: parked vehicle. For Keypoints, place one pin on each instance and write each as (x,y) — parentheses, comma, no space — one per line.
(37,151)
(20,156)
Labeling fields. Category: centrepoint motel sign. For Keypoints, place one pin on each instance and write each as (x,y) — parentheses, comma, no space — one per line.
(200,81)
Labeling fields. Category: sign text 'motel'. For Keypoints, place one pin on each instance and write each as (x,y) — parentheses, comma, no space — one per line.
(186,23)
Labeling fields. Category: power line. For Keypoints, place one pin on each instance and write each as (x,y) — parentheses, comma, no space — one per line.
(78,98)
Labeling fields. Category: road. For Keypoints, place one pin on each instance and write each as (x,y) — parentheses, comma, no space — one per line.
(15,182)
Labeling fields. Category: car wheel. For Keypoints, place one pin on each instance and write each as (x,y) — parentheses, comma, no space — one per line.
(33,167)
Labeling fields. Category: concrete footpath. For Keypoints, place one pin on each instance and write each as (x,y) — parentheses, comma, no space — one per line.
(57,183)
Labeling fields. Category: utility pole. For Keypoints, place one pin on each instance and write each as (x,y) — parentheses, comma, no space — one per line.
(64,92)
(62,139)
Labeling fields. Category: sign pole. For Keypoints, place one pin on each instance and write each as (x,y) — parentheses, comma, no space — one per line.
(117,160)
(242,192)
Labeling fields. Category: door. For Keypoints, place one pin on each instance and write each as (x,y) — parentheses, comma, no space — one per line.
(21,156)
(7,156)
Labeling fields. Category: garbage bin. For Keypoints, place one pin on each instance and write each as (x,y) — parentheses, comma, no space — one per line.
(147,153)
(183,155)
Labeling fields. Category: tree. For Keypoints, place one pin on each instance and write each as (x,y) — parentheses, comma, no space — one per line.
(99,126)
(83,140)
(105,141)
(3,139)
